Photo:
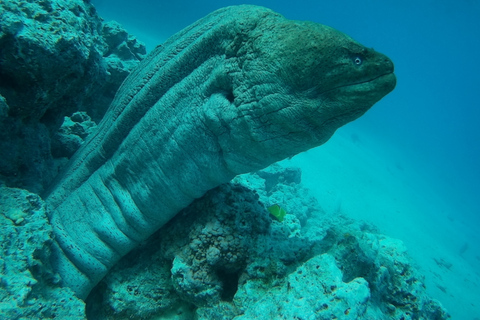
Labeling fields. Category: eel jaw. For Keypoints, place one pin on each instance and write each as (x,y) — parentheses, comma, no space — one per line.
(357,98)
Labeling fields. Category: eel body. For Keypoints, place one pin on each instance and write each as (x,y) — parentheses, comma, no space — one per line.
(233,93)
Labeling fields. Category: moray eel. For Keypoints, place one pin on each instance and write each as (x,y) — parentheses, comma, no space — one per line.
(233,93)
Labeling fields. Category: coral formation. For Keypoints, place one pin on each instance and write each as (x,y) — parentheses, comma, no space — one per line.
(29,288)
(225,257)
(57,57)
(71,135)
(315,290)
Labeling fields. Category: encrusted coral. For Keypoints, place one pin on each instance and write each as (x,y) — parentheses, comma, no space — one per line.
(28,287)
(226,257)
(57,57)
(72,134)
(206,247)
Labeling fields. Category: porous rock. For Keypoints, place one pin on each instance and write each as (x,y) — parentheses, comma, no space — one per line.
(72,134)
(215,248)
(123,52)
(25,158)
(28,286)
(3,108)
(282,186)
(55,60)
(395,285)
(275,174)
(330,267)
(51,56)
(315,290)
(139,287)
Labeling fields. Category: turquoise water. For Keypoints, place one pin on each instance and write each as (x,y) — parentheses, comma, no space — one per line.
(410,165)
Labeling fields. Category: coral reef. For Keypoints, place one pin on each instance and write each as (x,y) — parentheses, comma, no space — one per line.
(216,246)
(57,57)
(225,257)
(195,259)
(25,161)
(222,257)
(29,289)
(315,290)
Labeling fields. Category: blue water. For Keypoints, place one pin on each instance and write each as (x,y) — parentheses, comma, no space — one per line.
(432,117)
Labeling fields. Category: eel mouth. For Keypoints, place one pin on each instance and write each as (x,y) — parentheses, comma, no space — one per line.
(387,77)
(374,89)
(352,100)
(383,81)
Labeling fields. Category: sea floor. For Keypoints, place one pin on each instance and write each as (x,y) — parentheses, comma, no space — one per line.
(360,175)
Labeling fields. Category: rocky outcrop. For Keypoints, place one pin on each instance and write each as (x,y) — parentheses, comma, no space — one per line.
(196,259)
(225,257)
(72,134)
(25,157)
(57,57)
(51,58)
(29,288)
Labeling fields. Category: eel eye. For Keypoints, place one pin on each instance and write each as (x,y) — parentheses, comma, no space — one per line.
(358,61)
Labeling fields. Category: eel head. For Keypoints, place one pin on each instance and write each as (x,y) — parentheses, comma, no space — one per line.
(298,82)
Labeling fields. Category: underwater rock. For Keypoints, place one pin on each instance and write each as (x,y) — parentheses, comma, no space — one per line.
(139,287)
(214,248)
(54,60)
(25,158)
(51,57)
(121,56)
(276,174)
(181,270)
(279,185)
(29,288)
(72,134)
(3,108)
(396,288)
(315,290)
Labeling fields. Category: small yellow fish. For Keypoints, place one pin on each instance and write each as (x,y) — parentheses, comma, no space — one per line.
(277,211)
